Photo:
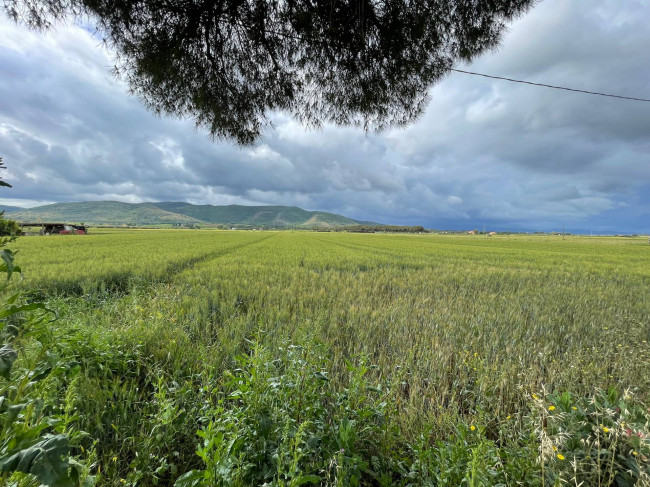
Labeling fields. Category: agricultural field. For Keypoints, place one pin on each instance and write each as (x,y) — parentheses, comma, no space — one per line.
(300,358)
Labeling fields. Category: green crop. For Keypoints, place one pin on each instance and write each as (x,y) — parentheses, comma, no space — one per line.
(474,351)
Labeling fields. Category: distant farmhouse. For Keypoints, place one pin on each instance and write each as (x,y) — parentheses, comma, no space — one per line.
(56,228)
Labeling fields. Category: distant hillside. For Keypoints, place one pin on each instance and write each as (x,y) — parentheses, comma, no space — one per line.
(10,209)
(102,213)
(270,216)
(115,213)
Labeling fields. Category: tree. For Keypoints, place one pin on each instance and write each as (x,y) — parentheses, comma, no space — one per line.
(228,64)
(9,229)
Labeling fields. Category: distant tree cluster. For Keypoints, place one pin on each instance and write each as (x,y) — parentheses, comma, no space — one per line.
(382,229)
(228,63)
(9,229)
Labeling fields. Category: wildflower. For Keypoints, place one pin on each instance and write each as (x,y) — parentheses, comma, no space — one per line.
(535,396)
(560,456)
(574,408)
(508,417)
(605,429)
(554,448)
(472,427)
(475,354)
(551,408)
(635,453)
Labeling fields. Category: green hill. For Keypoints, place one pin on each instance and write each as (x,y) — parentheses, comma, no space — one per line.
(102,213)
(115,213)
(269,216)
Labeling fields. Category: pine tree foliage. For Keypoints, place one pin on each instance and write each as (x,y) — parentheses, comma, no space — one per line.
(228,64)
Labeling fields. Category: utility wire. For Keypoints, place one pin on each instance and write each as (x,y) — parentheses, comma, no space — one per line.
(550,86)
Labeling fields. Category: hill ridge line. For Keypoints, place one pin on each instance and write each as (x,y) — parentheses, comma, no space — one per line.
(175,213)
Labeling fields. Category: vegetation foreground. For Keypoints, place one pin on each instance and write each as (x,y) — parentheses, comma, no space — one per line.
(217,358)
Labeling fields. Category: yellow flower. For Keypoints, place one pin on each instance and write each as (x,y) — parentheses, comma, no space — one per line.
(472,427)
(551,408)
(535,396)
(560,456)
(574,408)
(509,417)
(554,448)
(605,429)
(635,453)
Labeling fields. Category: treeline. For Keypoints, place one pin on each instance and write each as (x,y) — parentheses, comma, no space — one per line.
(382,229)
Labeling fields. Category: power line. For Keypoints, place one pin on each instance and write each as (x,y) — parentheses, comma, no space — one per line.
(550,86)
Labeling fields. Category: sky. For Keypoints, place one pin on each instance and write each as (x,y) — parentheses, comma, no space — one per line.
(486,153)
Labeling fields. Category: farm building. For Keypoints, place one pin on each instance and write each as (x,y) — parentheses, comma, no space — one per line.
(56,228)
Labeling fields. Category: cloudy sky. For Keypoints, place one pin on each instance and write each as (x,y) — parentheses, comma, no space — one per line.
(486,152)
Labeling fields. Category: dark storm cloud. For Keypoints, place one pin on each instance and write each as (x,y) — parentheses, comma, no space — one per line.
(486,151)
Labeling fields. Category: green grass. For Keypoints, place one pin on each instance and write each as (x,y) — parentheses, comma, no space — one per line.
(110,259)
(449,332)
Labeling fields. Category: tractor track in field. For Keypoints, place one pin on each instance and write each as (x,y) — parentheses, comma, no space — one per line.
(176,268)
(121,284)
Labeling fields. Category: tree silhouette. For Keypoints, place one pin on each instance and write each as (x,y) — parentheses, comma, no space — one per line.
(228,64)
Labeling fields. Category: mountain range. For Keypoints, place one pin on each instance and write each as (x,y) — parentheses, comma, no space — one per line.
(178,213)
